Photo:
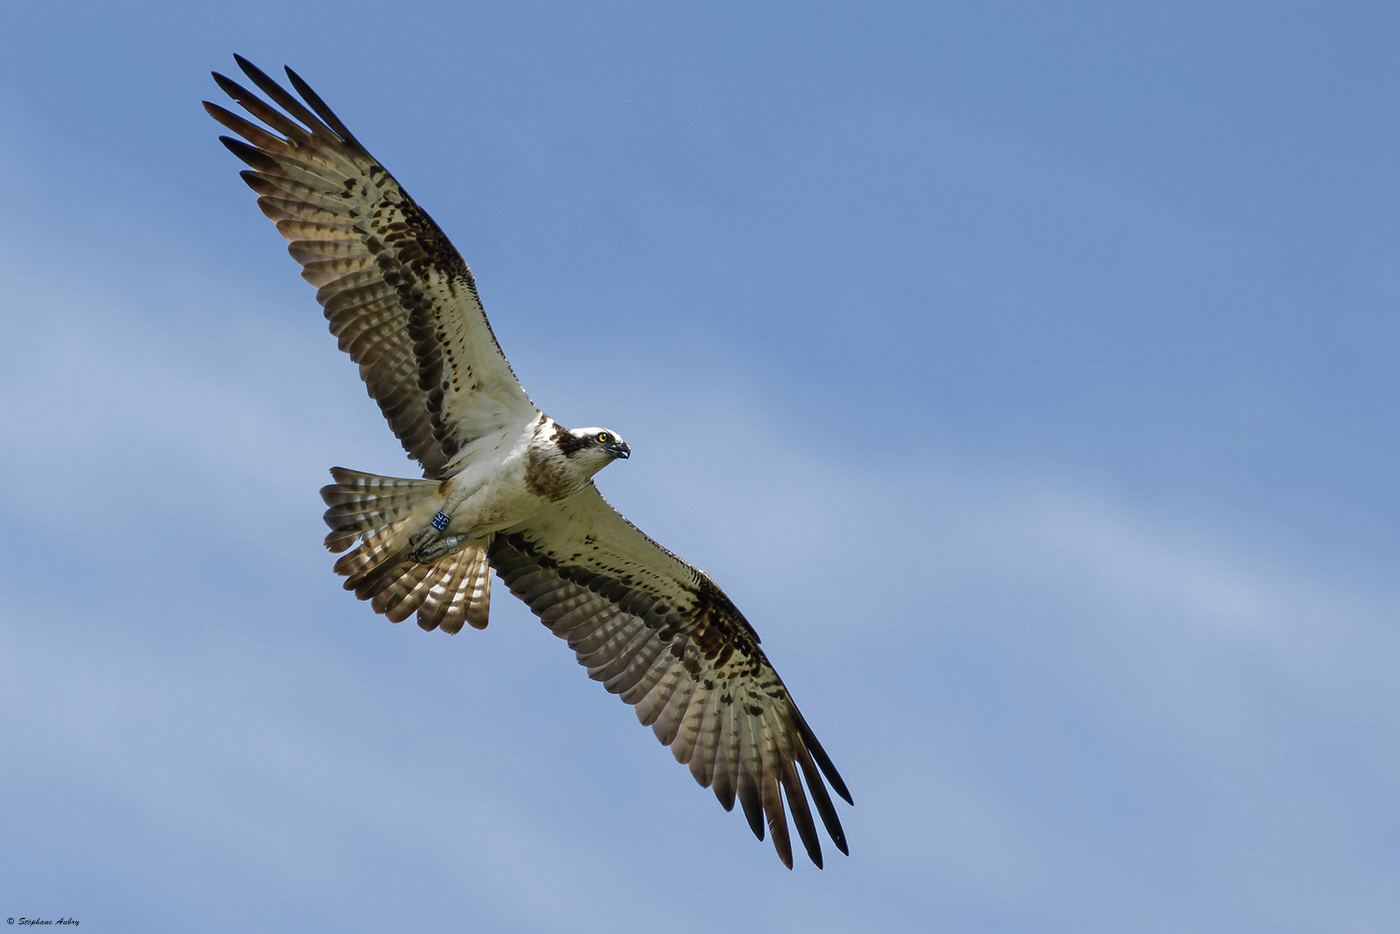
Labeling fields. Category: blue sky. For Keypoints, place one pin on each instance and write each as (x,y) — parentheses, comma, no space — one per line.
(1025,372)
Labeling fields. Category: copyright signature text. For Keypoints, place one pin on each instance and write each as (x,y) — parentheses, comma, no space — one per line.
(42,921)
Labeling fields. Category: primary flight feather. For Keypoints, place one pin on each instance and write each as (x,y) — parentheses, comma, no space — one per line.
(505,487)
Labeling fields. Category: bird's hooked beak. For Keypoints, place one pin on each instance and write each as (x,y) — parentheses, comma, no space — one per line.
(618,449)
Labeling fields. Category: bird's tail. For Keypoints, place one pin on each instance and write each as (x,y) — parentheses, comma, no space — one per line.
(379,513)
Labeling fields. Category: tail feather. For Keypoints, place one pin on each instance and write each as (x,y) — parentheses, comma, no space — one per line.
(474,603)
(393,590)
(378,512)
(461,594)
(436,610)
(383,576)
(378,546)
(363,502)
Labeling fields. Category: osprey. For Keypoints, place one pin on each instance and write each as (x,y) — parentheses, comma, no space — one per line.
(504,486)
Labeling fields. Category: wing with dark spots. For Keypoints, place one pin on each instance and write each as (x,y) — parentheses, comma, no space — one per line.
(398,295)
(660,634)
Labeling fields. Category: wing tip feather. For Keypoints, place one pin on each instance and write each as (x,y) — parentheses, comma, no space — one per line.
(814,746)
(322,110)
(251,155)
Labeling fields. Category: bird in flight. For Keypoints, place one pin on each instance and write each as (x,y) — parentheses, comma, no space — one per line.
(505,487)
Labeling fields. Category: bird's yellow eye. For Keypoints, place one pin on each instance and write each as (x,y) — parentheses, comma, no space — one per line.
(604,437)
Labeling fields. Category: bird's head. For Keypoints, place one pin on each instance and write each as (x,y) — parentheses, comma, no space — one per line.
(592,449)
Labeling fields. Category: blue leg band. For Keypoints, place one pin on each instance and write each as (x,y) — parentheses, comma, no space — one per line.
(441,521)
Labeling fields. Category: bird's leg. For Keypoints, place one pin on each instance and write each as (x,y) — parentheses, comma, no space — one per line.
(427,539)
(427,543)
(429,552)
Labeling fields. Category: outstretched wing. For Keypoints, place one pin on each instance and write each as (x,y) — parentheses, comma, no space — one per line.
(398,295)
(661,634)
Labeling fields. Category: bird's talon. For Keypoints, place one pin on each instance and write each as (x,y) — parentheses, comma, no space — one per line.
(424,537)
(429,552)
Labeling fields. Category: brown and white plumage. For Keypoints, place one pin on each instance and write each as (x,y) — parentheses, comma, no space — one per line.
(369,508)
(507,488)
(660,633)
(398,295)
